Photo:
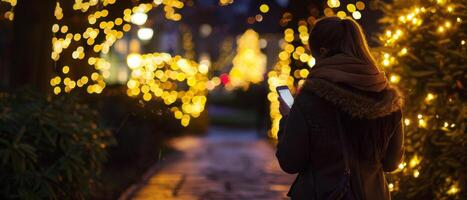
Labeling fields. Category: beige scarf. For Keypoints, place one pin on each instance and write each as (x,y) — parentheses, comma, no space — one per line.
(351,71)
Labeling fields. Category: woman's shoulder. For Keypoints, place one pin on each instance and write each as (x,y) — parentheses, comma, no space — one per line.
(311,102)
(356,103)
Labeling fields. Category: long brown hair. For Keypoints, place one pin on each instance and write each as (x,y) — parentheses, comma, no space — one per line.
(345,36)
(340,36)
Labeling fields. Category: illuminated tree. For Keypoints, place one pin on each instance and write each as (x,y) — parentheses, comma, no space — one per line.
(105,22)
(180,83)
(423,49)
(249,64)
(291,69)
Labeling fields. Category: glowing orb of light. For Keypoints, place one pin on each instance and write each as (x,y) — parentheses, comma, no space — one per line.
(139,18)
(134,60)
(145,33)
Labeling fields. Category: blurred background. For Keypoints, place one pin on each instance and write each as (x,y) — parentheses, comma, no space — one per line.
(91,91)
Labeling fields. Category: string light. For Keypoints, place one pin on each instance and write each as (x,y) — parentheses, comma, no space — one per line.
(402,29)
(159,75)
(333,3)
(249,64)
(102,26)
(139,18)
(264,8)
(281,73)
(354,10)
(357,15)
(145,33)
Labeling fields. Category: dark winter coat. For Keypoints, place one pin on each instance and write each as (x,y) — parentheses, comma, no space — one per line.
(308,140)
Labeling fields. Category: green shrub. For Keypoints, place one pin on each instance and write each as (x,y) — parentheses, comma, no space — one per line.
(49,148)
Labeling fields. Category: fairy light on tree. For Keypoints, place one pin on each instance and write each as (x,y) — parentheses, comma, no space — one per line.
(100,34)
(161,76)
(423,52)
(249,64)
(351,9)
(283,74)
(145,33)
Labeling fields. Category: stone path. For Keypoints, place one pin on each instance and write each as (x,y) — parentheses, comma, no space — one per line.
(226,164)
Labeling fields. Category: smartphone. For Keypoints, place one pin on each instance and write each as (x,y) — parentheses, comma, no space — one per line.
(285,95)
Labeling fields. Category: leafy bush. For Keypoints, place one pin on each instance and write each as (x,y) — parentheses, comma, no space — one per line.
(49,148)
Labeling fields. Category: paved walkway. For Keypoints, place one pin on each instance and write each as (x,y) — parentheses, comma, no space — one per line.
(226,164)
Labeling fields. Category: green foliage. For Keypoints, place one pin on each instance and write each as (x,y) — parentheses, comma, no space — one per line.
(49,149)
(432,72)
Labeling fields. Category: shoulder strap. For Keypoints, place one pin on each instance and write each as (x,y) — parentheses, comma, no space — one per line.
(345,150)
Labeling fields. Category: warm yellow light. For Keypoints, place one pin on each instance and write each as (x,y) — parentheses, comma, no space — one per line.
(422,123)
(441,29)
(454,189)
(64,29)
(55,28)
(147,96)
(126,27)
(203,68)
(394,78)
(328,12)
(446,124)
(334,3)
(429,97)
(450,8)
(341,14)
(391,187)
(360,5)
(414,161)
(403,51)
(407,121)
(351,7)
(311,62)
(185,120)
(401,166)
(388,33)
(416,173)
(447,24)
(304,73)
(304,57)
(357,15)
(225,2)
(57,90)
(66,69)
(264,8)
(249,64)
(157,75)
(134,60)
(139,18)
(145,33)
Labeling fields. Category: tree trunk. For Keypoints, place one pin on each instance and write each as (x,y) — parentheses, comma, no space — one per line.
(31,61)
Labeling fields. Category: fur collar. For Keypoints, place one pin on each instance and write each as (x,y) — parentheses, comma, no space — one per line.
(357,103)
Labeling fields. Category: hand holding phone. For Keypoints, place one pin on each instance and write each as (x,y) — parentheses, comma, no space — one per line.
(286,99)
